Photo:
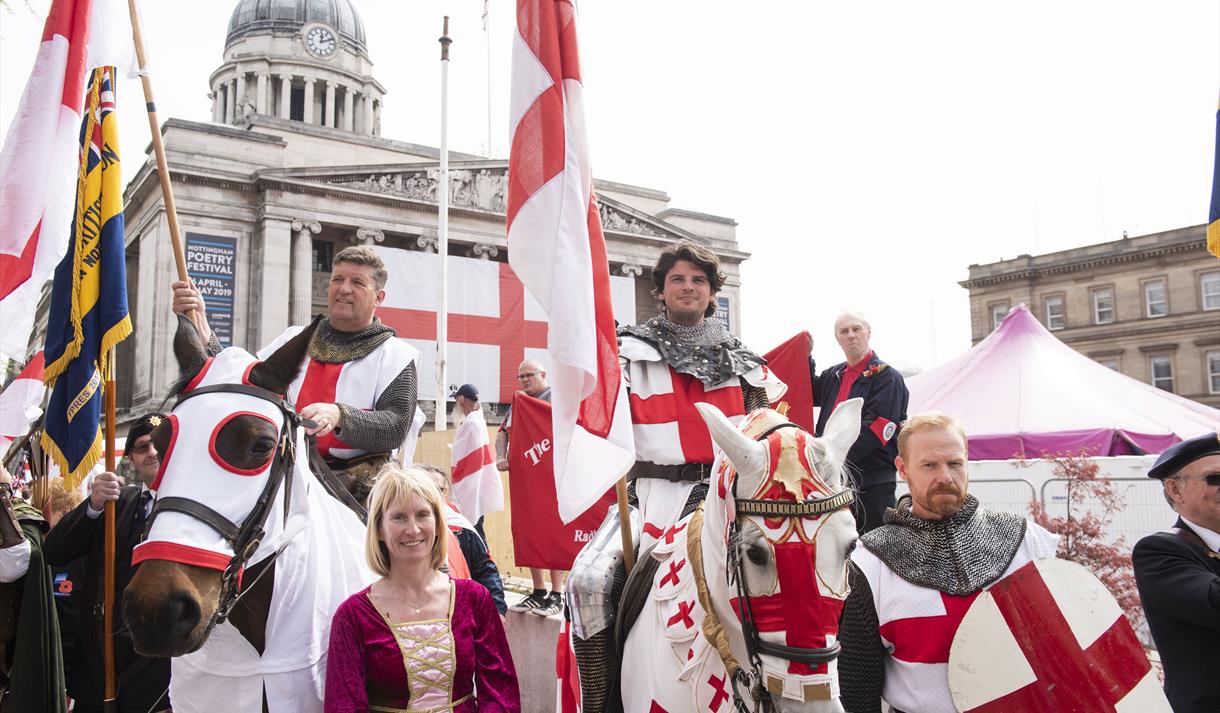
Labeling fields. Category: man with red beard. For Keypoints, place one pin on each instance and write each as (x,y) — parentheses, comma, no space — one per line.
(919,572)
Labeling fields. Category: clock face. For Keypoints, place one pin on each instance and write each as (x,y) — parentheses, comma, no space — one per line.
(320,41)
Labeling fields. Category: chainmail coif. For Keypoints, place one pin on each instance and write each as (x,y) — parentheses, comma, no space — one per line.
(957,555)
(706,351)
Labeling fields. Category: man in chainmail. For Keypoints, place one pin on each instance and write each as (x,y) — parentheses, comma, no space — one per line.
(913,578)
(358,384)
(671,362)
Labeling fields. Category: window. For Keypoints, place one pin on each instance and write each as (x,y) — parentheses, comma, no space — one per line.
(1103,305)
(1213,372)
(999,311)
(1155,302)
(1054,313)
(1162,372)
(1209,285)
(1109,363)
(323,253)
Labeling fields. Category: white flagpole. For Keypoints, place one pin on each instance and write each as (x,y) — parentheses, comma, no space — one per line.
(487,37)
(442,313)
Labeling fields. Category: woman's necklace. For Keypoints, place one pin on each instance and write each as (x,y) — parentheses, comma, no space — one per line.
(416,608)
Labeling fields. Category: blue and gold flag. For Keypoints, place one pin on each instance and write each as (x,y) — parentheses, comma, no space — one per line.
(1213,214)
(88,312)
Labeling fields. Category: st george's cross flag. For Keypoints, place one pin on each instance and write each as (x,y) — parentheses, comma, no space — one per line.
(556,247)
(40,159)
(1213,211)
(21,402)
(477,489)
(90,290)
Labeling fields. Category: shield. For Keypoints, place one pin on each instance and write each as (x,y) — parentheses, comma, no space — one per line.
(1050,637)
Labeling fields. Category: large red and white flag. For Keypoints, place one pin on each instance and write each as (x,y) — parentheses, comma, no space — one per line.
(40,158)
(556,247)
(21,402)
(477,488)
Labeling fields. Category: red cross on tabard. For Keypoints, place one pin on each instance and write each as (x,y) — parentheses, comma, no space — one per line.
(926,639)
(1068,677)
(656,708)
(672,532)
(683,615)
(674,567)
(720,692)
(511,331)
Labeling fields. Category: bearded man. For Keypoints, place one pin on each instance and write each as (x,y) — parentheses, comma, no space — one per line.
(359,383)
(937,549)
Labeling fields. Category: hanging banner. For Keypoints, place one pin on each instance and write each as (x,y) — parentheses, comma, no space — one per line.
(211,262)
(494,322)
(540,539)
(790,362)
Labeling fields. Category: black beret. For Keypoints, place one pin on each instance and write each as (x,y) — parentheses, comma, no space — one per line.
(1179,455)
(142,427)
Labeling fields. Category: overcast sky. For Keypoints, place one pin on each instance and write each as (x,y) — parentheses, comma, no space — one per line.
(869,152)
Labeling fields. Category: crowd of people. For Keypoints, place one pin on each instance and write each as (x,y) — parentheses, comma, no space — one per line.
(429,635)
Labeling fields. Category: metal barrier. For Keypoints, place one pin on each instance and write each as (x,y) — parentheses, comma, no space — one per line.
(1145,510)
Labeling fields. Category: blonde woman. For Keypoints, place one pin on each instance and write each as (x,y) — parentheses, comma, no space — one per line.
(416,641)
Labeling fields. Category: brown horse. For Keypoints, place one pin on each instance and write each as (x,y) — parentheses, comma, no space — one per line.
(247,554)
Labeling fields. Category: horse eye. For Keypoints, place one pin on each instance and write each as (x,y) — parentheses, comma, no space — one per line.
(757,554)
(263,446)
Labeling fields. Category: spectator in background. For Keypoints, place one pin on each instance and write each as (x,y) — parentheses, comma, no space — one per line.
(482,567)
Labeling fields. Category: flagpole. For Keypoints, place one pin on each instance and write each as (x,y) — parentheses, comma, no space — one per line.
(487,37)
(442,193)
(624,524)
(110,703)
(167,191)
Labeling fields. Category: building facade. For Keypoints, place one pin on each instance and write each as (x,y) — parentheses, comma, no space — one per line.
(1147,306)
(293,168)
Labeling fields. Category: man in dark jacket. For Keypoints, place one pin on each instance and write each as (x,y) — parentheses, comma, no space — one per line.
(871,458)
(1178,574)
(142,681)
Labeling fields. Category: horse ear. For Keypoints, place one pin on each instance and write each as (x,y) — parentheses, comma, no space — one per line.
(842,430)
(749,457)
(188,350)
(277,371)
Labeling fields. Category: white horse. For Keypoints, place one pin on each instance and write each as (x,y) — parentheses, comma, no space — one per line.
(247,554)
(760,570)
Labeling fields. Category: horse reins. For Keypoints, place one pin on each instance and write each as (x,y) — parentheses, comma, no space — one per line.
(756,647)
(245,537)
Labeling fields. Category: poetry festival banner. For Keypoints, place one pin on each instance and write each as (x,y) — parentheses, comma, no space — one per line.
(540,539)
(211,262)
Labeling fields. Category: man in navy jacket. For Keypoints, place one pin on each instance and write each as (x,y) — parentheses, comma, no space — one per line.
(871,458)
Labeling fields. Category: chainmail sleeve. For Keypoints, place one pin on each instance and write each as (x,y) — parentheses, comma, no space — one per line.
(385,427)
(213,346)
(755,396)
(862,659)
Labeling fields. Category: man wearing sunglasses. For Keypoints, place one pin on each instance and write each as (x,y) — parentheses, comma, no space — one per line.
(1178,575)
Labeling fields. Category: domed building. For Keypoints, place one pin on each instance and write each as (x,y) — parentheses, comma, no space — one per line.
(293,168)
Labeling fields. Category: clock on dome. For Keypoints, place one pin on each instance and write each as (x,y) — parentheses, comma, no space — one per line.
(320,40)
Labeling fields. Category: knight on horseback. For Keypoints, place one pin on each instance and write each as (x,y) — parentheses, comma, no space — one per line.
(359,385)
(671,362)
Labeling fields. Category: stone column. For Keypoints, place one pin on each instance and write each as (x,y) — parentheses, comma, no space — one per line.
(483,251)
(631,270)
(377,118)
(231,101)
(274,260)
(285,96)
(330,104)
(261,92)
(369,236)
(309,99)
(218,105)
(428,242)
(241,95)
(366,123)
(302,270)
(349,107)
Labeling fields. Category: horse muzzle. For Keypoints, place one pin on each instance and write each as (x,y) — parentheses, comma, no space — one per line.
(168,607)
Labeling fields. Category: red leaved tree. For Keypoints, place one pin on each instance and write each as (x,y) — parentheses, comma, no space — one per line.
(1092,503)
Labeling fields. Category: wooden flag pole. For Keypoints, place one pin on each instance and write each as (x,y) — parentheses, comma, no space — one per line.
(110,701)
(624,524)
(167,191)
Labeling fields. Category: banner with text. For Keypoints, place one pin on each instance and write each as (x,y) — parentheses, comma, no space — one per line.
(540,539)
(211,262)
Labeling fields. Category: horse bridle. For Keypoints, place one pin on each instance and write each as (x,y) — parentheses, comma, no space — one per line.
(755,645)
(246,536)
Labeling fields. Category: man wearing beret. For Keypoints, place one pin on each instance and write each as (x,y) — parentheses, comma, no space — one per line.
(142,681)
(1178,575)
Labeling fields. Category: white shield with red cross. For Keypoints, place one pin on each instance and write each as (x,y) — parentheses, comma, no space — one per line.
(1050,637)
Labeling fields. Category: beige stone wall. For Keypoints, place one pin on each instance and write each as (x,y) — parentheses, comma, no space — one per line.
(1185,335)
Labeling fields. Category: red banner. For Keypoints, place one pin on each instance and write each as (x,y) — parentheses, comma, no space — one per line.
(540,539)
(790,362)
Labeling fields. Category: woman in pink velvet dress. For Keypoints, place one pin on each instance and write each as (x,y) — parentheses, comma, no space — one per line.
(416,641)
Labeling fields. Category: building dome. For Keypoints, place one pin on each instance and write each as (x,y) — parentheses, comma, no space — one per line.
(259,17)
